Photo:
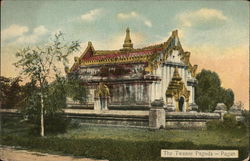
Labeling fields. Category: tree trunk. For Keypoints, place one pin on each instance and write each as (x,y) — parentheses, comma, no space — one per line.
(42,115)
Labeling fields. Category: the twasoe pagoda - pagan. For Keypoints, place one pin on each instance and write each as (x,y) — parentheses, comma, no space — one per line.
(134,78)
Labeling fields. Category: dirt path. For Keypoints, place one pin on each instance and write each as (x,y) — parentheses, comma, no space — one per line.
(11,154)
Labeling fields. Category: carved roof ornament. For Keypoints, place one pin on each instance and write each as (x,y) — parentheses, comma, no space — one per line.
(186,60)
(127,42)
(177,88)
(102,90)
(150,55)
(176,75)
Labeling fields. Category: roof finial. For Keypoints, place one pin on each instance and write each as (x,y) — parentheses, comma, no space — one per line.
(127,42)
(175,37)
(175,33)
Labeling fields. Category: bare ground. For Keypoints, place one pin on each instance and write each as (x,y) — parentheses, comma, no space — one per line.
(12,154)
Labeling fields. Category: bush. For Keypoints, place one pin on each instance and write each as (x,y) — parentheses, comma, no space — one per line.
(53,124)
(229,122)
(114,150)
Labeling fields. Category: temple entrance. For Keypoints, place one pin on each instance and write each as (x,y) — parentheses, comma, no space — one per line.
(181,103)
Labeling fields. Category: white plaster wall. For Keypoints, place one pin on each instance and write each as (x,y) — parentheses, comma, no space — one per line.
(174,57)
(191,94)
(91,95)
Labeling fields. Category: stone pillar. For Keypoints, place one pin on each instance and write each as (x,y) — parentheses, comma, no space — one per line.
(221,109)
(136,92)
(101,103)
(97,104)
(157,115)
(193,106)
(184,108)
(105,103)
(168,75)
(164,87)
(193,94)
(154,90)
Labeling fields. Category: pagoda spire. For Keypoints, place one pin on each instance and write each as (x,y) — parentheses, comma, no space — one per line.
(176,75)
(127,42)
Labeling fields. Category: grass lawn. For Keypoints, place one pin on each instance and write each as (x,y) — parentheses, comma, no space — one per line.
(218,137)
(119,143)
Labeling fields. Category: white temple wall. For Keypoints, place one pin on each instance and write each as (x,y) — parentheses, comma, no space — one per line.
(191,94)
(174,57)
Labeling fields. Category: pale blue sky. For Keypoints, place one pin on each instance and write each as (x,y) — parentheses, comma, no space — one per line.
(215,32)
(163,15)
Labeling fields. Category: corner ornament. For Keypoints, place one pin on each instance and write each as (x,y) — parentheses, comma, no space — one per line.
(102,90)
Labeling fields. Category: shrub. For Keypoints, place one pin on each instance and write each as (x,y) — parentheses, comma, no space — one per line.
(114,150)
(229,122)
(54,124)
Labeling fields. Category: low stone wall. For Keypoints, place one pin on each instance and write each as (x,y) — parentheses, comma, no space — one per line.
(189,120)
(140,119)
(174,120)
(129,107)
(110,119)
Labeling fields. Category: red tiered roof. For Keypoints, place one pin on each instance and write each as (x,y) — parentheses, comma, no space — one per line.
(118,54)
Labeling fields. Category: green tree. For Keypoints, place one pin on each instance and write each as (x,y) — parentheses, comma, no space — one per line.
(56,93)
(41,65)
(10,92)
(227,97)
(209,92)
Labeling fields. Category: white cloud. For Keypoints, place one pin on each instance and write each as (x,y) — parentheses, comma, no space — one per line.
(203,18)
(127,15)
(40,30)
(134,15)
(148,23)
(34,37)
(13,31)
(91,15)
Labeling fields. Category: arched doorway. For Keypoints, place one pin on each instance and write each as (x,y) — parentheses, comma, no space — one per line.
(181,103)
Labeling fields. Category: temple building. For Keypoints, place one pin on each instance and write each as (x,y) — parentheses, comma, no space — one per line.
(134,78)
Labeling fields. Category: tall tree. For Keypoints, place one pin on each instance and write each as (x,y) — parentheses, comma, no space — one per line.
(209,91)
(41,64)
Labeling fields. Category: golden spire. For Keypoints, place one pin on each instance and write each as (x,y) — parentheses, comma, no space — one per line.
(176,75)
(127,42)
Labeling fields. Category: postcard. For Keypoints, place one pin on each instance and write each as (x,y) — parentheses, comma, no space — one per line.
(124,80)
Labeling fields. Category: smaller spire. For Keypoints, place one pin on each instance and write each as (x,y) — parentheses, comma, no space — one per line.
(89,43)
(127,42)
(176,75)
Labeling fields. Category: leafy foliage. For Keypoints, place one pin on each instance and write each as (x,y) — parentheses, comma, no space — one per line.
(117,150)
(229,123)
(41,65)
(75,89)
(55,100)
(209,91)
(10,92)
